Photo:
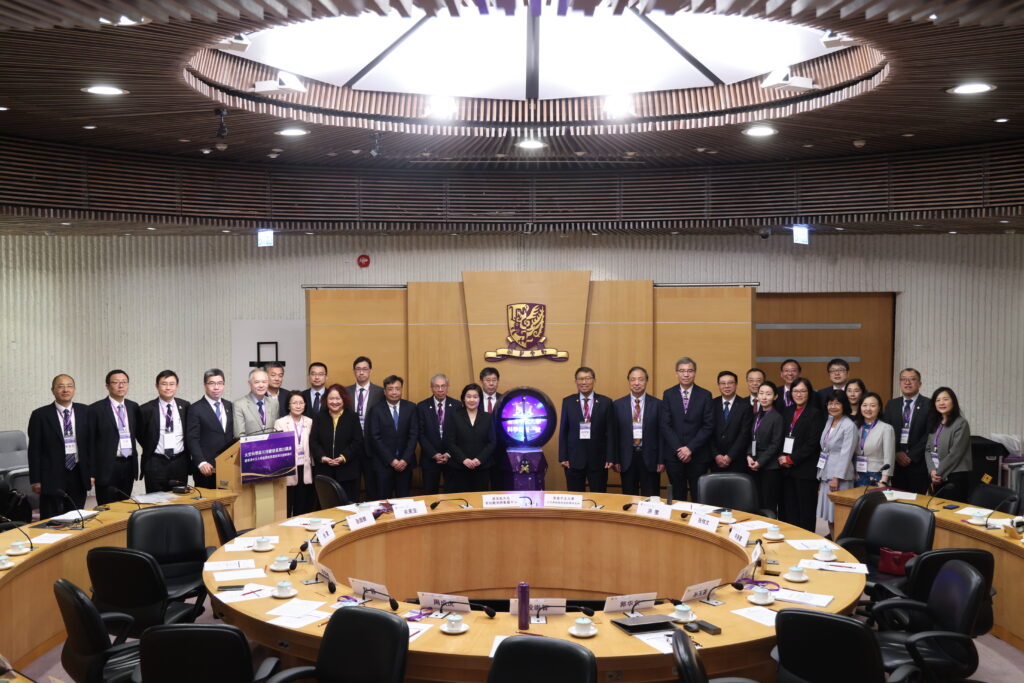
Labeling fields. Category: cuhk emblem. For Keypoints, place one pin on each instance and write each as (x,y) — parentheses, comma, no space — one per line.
(526,334)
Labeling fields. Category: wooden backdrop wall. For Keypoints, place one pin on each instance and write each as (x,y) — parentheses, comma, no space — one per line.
(610,326)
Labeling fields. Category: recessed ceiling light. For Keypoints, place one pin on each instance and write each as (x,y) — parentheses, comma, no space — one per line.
(619,106)
(1004,221)
(808,144)
(908,135)
(594,234)
(952,232)
(759,130)
(225,231)
(184,140)
(917,225)
(292,132)
(89,127)
(933,17)
(332,154)
(310,233)
(840,229)
(65,224)
(971,88)
(1002,119)
(151,228)
(674,232)
(277,150)
(206,150)
(104,90)
(531,143)
(3,108)
(441,107)
(273,155)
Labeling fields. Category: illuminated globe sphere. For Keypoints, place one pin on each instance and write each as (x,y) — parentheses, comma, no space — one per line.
(526,418)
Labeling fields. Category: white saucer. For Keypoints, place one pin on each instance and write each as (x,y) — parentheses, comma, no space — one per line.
(775,537)
(23,551)
(291,594)
(803,580)
(723,521)
(819,558)
(286,568)
(581,634)
(262,550)
(693,617)
(983,522)
(4,567)
(750,599)
(454,632)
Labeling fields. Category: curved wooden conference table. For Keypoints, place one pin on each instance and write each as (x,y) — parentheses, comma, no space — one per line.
(30,621)
(952,531)
(572,553)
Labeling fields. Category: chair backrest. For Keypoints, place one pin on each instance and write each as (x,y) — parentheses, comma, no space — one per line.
(900,527)
(925,568)
(13,440)
(84,650)
(860,514)
(816,646)
(688,662)
(10,460)
(956,597)
(129,581)
(19,479)
(994,498)
(542,660)
(329,492)
(215,653)
(226,531)
(734,490)
(173,535)
(363,645)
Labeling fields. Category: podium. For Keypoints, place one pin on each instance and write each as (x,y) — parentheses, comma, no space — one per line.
(258,503)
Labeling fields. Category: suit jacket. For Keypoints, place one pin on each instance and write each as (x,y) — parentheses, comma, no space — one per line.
(954,448)
(732,437)
(46,446)
(246,416)
(205,439)
(430,436)
(839,450)
(767,434)
(806,435)
(592,453)
(893,415)
(384,443)
(780,400)
(307,395)
(650,444)
(692,429)
(880,447)
(466,441)
(326,440)
(106,437)
(374,396)
(282,402)
(287,424)
(151,424)
(498,454)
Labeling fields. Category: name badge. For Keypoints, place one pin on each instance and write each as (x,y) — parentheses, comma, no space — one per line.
(638,431)
(563,500)
(822,459)
(935,459)
(70,447)
(753,448)
(124,443)
(585,430)
(787,445)
(862,463)
(905,435)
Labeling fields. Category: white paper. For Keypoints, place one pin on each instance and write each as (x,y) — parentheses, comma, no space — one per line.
(812,544)
(228,564)
(240,575)
(156,497)
(252,591)
(73,516)
(848,567)
(552,606)
(563,500)
(802,598)
(902,495)
(352,507)
(705,522)
(296,608)
(659,510)
(970,512)
(249,542)
(43,539)
(299,521)
(300,622)
(659,640)
(699,591)
(999,523)
(418,629)
(495,644)
(761,615)
(697,508)
(752,525)
(412,508)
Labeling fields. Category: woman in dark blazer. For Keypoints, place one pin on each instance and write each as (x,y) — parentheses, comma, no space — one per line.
(803,424)
(470,441)
(337,441)
(766,438)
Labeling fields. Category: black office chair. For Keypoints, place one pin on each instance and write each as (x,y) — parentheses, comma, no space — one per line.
(941,644)
(7,526)
(88,655)
(857,521)
(130,581)
(215,653)
(329,492)
(817,646)
(360,645)
(175,537)
(896,526)
(995,498)
(733,490)
(226,531)
(542,660)
(689,664)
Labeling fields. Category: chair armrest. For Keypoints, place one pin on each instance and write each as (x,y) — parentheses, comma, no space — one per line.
(770,514)
(887,613)
(267,667)
(855,546)
(888,590)
(125,621)
(210,550)
(294,674)
(947,642)
(908,673)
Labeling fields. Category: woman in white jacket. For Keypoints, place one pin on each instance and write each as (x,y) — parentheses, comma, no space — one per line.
(876,447)
(835,464)
(301,496)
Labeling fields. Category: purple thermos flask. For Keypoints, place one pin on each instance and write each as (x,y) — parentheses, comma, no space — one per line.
(523,596)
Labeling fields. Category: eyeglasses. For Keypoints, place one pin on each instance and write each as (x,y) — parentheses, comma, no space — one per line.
(213,383)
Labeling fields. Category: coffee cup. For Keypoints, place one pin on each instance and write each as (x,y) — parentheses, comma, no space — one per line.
(826,554)
(585,625)
(17,546)
(726,516)
(773,530)
(889,494)
(979,517)
(453,622)
(4,560)
(762,596)
(281,562)
(796,573)
(284,588)
(682,612)
(262,543)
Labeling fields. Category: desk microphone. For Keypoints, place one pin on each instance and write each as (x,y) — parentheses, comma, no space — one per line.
(391,601)
(81,520)
(22,531)
(488,610)
(595,505)
(127,496)
(433,506)
(528,500)
(568,608)
(1008,499)
(928,505)
(874,482)
(627,506)
(184,485)
(714,603)
(655,601)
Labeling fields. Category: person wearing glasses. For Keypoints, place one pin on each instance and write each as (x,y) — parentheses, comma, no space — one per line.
(314,395)
(948,445)
(801,447)
(209,429)
(336,441)
(162,436)
(876,445)
(908,415)
(839,375)
(115,460)
(835,464)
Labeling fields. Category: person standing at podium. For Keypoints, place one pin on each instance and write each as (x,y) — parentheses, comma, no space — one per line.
(255,413)
(115,460)
(586,436)
(58,450)
(337,442)
(275,391)
(301,497)
(209,429)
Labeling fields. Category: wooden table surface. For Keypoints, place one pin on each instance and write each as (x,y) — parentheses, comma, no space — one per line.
(575,553)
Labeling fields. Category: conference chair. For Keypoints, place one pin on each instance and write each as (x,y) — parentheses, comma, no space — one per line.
(733,490)
(860,513)
(88,654)
(226,531)
(542,660)
(13,451)
(174,535)
(19,480)
(994,498)
(893,526)
(940,644)
(130,581)
(689,664)
(329,492)
(199,653)
(360,645)
(813,647)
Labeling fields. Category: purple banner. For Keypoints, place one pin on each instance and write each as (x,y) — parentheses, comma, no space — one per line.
(267,456)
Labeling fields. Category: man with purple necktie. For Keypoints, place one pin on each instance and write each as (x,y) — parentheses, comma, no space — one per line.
(687,426)
(115,458)
(162,436)
(59,436)
(255,412)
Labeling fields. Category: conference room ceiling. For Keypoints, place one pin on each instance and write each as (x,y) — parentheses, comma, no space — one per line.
(897,106)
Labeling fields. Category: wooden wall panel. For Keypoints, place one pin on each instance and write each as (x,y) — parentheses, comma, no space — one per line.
(438,338)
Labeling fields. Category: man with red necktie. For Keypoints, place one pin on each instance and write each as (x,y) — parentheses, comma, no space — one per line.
(586,436)
(500,472)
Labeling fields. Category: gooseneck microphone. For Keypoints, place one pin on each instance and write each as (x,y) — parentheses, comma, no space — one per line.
(874,482)
(655,601)
(433,506)
(708,598)
(184,484)
(127,496)
(528,500)
(1008,499)
(939,490)
(391,601)
(596,505)
(22,531)
(568,608)
(81,520)
(487,609)
(627,506)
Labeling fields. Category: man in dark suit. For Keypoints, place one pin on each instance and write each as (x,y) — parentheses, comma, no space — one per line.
(500,471)
(686,428)
(789,370)
(275,390)
(115,457)
(315,394)
(755,378)
(365,396)
(586,436)
(209,429)
(908,416)
(392,430)
(731,438)
(59,435)
(638,418)
(435,416)
(838,374)
(162,435)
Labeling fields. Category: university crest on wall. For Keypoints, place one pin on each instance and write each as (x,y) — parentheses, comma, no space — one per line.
(526,335)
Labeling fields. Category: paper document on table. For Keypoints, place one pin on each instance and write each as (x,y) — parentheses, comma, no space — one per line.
(849,567)
(417,630)
(812,544)
(761,615)
(75,516)
(43,539)
(902,495)
(300,622)
(240,575)
(697,508)
(248,543)
(659,640)
(154,498)
(348,508)
(297,521)
(296,608)
(252,591)
(802,598)
(225,565)
(970,512)
(752,525)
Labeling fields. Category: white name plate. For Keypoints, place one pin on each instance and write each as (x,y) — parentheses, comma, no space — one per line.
(740,537)
(368,590)
(504,500)
(706,522)
(359,520)
(659,510)
(324,534)
(412,508)
(563,500)
(459,603)
(699,591)
(552,606)
(627,603)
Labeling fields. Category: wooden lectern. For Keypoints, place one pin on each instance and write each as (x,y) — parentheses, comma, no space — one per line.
(259,503)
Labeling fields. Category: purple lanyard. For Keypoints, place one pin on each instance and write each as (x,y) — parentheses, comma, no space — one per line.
(864,431)
(757,422)
(935,444)
(298,435)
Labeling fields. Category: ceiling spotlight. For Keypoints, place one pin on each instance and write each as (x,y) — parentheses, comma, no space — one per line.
(531,143)
(89,127)
(292,132)
(1002,119)
(238,44)
(273,155)
(285,82)
(225,231)
(619,106)
(933,17)
(184,140)
(952,232)
(971,88)
(781,79)
(759,130)
(150,228)
(838,229)
(104,90)
(441,107)
(1004,221)
(222,127)
(3,108)
(276,149)
(65,224)
(221,146)
(206,150)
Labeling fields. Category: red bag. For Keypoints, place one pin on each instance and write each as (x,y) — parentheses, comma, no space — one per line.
(894,561)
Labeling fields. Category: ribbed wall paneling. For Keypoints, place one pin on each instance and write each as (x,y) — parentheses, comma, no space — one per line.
(86,305)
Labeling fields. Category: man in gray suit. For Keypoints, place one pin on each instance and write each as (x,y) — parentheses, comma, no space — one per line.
(256,411)
(364,396)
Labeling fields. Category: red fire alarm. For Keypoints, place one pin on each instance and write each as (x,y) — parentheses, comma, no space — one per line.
(363,261)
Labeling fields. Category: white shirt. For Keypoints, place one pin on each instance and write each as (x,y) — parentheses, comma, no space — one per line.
(223,414)
(170,440)
(489,397)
